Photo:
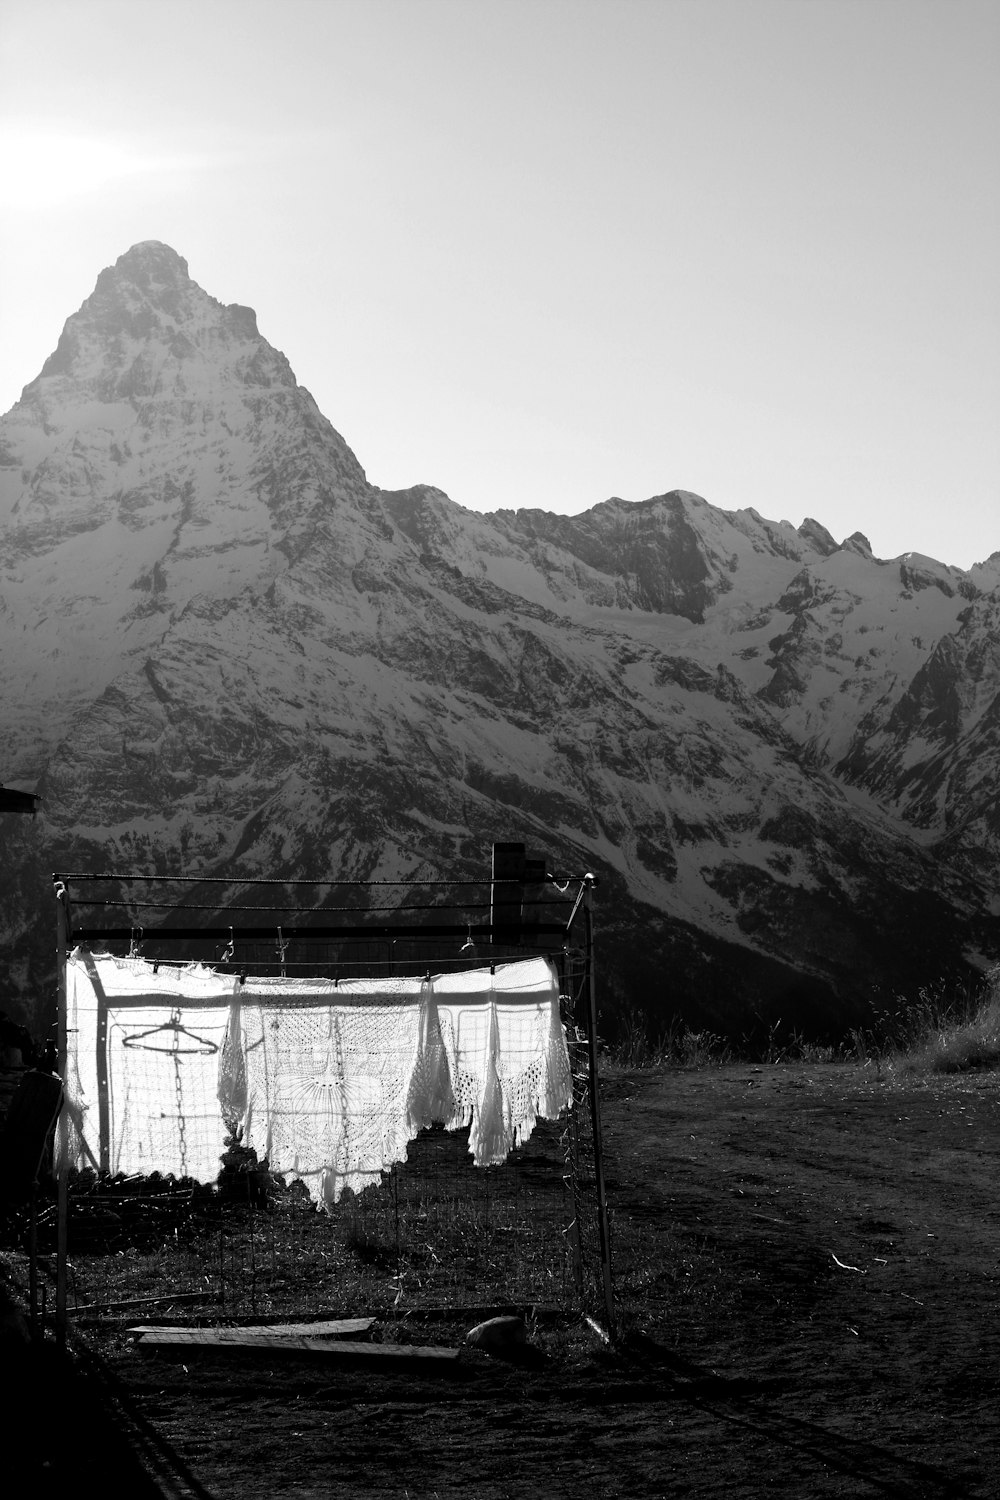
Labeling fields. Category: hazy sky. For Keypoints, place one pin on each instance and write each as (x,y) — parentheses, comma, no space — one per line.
(541,252)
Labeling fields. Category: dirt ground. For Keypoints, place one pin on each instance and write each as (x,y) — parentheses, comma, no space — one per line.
(808,1265)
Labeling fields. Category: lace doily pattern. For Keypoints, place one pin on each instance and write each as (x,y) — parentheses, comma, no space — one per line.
(327,1086)
(506,1051)
(165,1030)
(328,1082)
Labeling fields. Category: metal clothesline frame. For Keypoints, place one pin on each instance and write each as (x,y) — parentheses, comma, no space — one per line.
(541,937)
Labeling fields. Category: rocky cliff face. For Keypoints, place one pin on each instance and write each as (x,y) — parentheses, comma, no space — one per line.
(225,652)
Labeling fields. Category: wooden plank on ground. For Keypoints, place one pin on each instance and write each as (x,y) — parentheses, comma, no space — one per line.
(427,1356)
(331,1328)
(92,1307)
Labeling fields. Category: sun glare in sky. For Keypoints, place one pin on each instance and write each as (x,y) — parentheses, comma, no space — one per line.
(45,169)
(541,252)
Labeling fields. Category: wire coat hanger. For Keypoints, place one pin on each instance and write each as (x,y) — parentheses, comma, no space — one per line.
(176,1026)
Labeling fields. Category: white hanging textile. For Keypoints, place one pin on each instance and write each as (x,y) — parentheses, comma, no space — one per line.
(331,1082)
(318,1077)
(506,1055)
(328,1081)
(157,1031)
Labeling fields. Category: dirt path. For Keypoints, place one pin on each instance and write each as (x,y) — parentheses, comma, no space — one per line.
(830,1242)
(809,1265)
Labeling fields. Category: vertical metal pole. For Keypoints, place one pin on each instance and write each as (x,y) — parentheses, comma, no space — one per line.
(603,1226)
(103,1093)
(62,1126)
(570,1139)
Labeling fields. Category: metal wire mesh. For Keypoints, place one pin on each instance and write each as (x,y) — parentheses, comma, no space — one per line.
(435,1232)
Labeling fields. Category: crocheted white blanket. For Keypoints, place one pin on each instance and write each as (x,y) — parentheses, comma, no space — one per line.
(328,1081)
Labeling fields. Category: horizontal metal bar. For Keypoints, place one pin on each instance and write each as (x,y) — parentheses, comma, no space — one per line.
(120,875)
(528,931)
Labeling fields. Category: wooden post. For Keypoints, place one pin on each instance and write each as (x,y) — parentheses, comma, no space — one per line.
(603,1225)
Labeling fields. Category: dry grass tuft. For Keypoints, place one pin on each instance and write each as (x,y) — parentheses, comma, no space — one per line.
(960,1038)
(678,1046)
(942,1030)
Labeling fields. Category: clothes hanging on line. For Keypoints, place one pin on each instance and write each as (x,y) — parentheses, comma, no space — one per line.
(317,1077)
(331,1082)
(145,1043)
(504,1048)
(328,1081)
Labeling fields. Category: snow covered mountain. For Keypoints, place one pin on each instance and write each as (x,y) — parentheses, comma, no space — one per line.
(224,651)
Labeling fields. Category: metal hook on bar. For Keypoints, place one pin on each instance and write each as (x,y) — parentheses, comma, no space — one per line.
(63,898)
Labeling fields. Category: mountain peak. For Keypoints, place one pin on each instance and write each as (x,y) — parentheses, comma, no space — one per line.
(150,266)
(162,404)
(144,320)
(812,531)
(858,542)
(152,252)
